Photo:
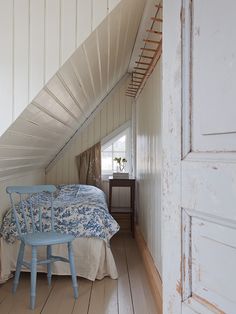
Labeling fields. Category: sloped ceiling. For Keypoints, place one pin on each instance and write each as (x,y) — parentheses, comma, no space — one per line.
(69,98)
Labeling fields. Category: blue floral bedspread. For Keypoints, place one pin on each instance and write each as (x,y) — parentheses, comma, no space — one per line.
(80,210)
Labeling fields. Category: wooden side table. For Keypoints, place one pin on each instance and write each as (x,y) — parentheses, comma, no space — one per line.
(123,210)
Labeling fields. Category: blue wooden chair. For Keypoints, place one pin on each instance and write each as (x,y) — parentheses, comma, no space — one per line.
(31,233)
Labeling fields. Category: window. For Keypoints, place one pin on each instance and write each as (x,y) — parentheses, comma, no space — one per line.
(115,145)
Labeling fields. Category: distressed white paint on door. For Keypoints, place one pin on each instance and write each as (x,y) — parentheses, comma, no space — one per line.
(149,162)
(37,37)
(219,93)
(171,218)
(216,99)
(199,190)
(213,249)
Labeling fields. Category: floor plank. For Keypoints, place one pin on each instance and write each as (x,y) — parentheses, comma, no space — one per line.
(61,299)
(104,297)
(124,294)
(20,301)
(111,297)
(82,303)
(141,291)
(4,290)
(130,294)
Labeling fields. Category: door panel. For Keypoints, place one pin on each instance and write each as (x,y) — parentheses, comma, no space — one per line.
(213,76)
(214,260)
(208,170)
(209,187)
(199,157)
(211,262)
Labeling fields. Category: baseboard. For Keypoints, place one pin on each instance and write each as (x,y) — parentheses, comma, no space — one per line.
(152,272)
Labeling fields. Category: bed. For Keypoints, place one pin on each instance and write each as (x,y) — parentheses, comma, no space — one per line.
(80,210)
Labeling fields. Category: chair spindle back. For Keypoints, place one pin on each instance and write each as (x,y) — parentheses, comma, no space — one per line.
(24,201)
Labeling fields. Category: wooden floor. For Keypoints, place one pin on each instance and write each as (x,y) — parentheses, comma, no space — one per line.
(128,295)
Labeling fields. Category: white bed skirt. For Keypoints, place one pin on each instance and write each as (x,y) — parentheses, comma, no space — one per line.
(93,259)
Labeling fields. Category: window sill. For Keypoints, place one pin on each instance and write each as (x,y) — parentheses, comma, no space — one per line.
(106,177)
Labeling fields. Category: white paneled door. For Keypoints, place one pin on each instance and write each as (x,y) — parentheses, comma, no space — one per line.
(200,158)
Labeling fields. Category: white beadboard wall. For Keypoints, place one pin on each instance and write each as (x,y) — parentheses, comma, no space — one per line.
(114,111)
(29,178)
(149,162)
(36,38)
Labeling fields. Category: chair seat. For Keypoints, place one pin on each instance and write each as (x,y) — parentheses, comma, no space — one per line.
(46,238)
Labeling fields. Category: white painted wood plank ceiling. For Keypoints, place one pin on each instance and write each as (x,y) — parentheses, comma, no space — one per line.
(73,93)
(37,37)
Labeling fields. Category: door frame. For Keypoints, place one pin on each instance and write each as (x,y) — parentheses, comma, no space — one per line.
(173,53)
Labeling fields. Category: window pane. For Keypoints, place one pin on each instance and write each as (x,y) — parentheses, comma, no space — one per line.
(107,161)
(119,154)
(108,149)
(119,145)
(116,147)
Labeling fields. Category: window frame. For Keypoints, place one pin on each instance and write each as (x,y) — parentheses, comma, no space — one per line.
(125,129)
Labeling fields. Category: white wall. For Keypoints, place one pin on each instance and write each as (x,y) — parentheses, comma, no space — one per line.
(37,37)
(149,161)
(115,110)
(30,178)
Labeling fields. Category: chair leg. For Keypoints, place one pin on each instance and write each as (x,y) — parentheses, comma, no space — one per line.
(49,267)
(33,277)
(18,266)
(72,269)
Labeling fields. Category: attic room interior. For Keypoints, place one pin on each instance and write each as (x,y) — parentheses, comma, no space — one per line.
(117,157)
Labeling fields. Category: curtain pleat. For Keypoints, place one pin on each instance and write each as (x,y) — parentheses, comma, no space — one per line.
(89,166)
